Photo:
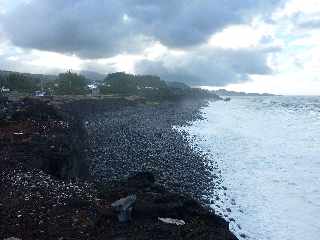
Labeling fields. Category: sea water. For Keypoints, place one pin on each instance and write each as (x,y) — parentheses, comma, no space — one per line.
(267,153)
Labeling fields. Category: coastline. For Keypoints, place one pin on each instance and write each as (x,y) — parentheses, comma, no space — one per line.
(114,141)
(142,138)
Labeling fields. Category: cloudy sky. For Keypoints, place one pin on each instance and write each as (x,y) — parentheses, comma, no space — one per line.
(248,45)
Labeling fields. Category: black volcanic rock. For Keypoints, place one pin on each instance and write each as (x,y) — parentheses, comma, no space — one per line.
(45,159)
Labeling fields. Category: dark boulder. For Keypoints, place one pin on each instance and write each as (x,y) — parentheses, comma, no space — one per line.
(141,179)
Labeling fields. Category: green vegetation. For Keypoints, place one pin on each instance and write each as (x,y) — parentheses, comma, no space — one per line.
(19,82)
(70,84)
(64,84)
(148,86)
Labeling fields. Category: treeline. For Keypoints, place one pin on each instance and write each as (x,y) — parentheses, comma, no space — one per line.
(64,84)
(140,85)
(120,83)
(149,87)
(19,82)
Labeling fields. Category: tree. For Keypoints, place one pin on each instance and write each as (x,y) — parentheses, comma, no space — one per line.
(21,83)
(129,84)
(119,83)
(3,81)
(71,84)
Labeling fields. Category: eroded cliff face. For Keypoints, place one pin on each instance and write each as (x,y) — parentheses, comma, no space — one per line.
(36,134)
(49,133)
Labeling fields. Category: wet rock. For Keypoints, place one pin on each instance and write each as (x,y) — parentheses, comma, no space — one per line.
(124,207)
(141,179)
(142,139)
(121,141)
(243,235)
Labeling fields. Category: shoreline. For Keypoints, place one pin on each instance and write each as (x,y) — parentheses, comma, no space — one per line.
(141,138)
(35,203)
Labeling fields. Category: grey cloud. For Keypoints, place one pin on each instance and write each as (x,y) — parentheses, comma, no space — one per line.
(80,27)
(310,24)
(22,66)
(306,21)
(210,66)
(94,66)
(94,29)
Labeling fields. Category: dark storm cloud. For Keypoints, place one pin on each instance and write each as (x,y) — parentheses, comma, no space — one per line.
(210,66)
(86,28)
(94,29)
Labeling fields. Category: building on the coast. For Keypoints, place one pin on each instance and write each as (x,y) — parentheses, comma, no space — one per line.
(40,93)
(94,89)
(4,90)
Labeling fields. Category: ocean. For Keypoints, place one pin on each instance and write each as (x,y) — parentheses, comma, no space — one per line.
(266,153)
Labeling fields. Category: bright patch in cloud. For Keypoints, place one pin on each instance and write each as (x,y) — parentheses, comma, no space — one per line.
(124,62)
(243,36)
(297,6)
(59,61)
(239,47)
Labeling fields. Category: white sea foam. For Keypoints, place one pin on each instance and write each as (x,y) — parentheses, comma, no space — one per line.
(268,151)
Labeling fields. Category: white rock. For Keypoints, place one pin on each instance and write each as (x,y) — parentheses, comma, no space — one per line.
(172,221)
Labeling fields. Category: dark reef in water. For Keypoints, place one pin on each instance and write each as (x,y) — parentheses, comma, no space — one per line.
(65,161)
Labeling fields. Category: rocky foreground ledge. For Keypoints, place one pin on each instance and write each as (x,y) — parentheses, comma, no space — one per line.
(48,189)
